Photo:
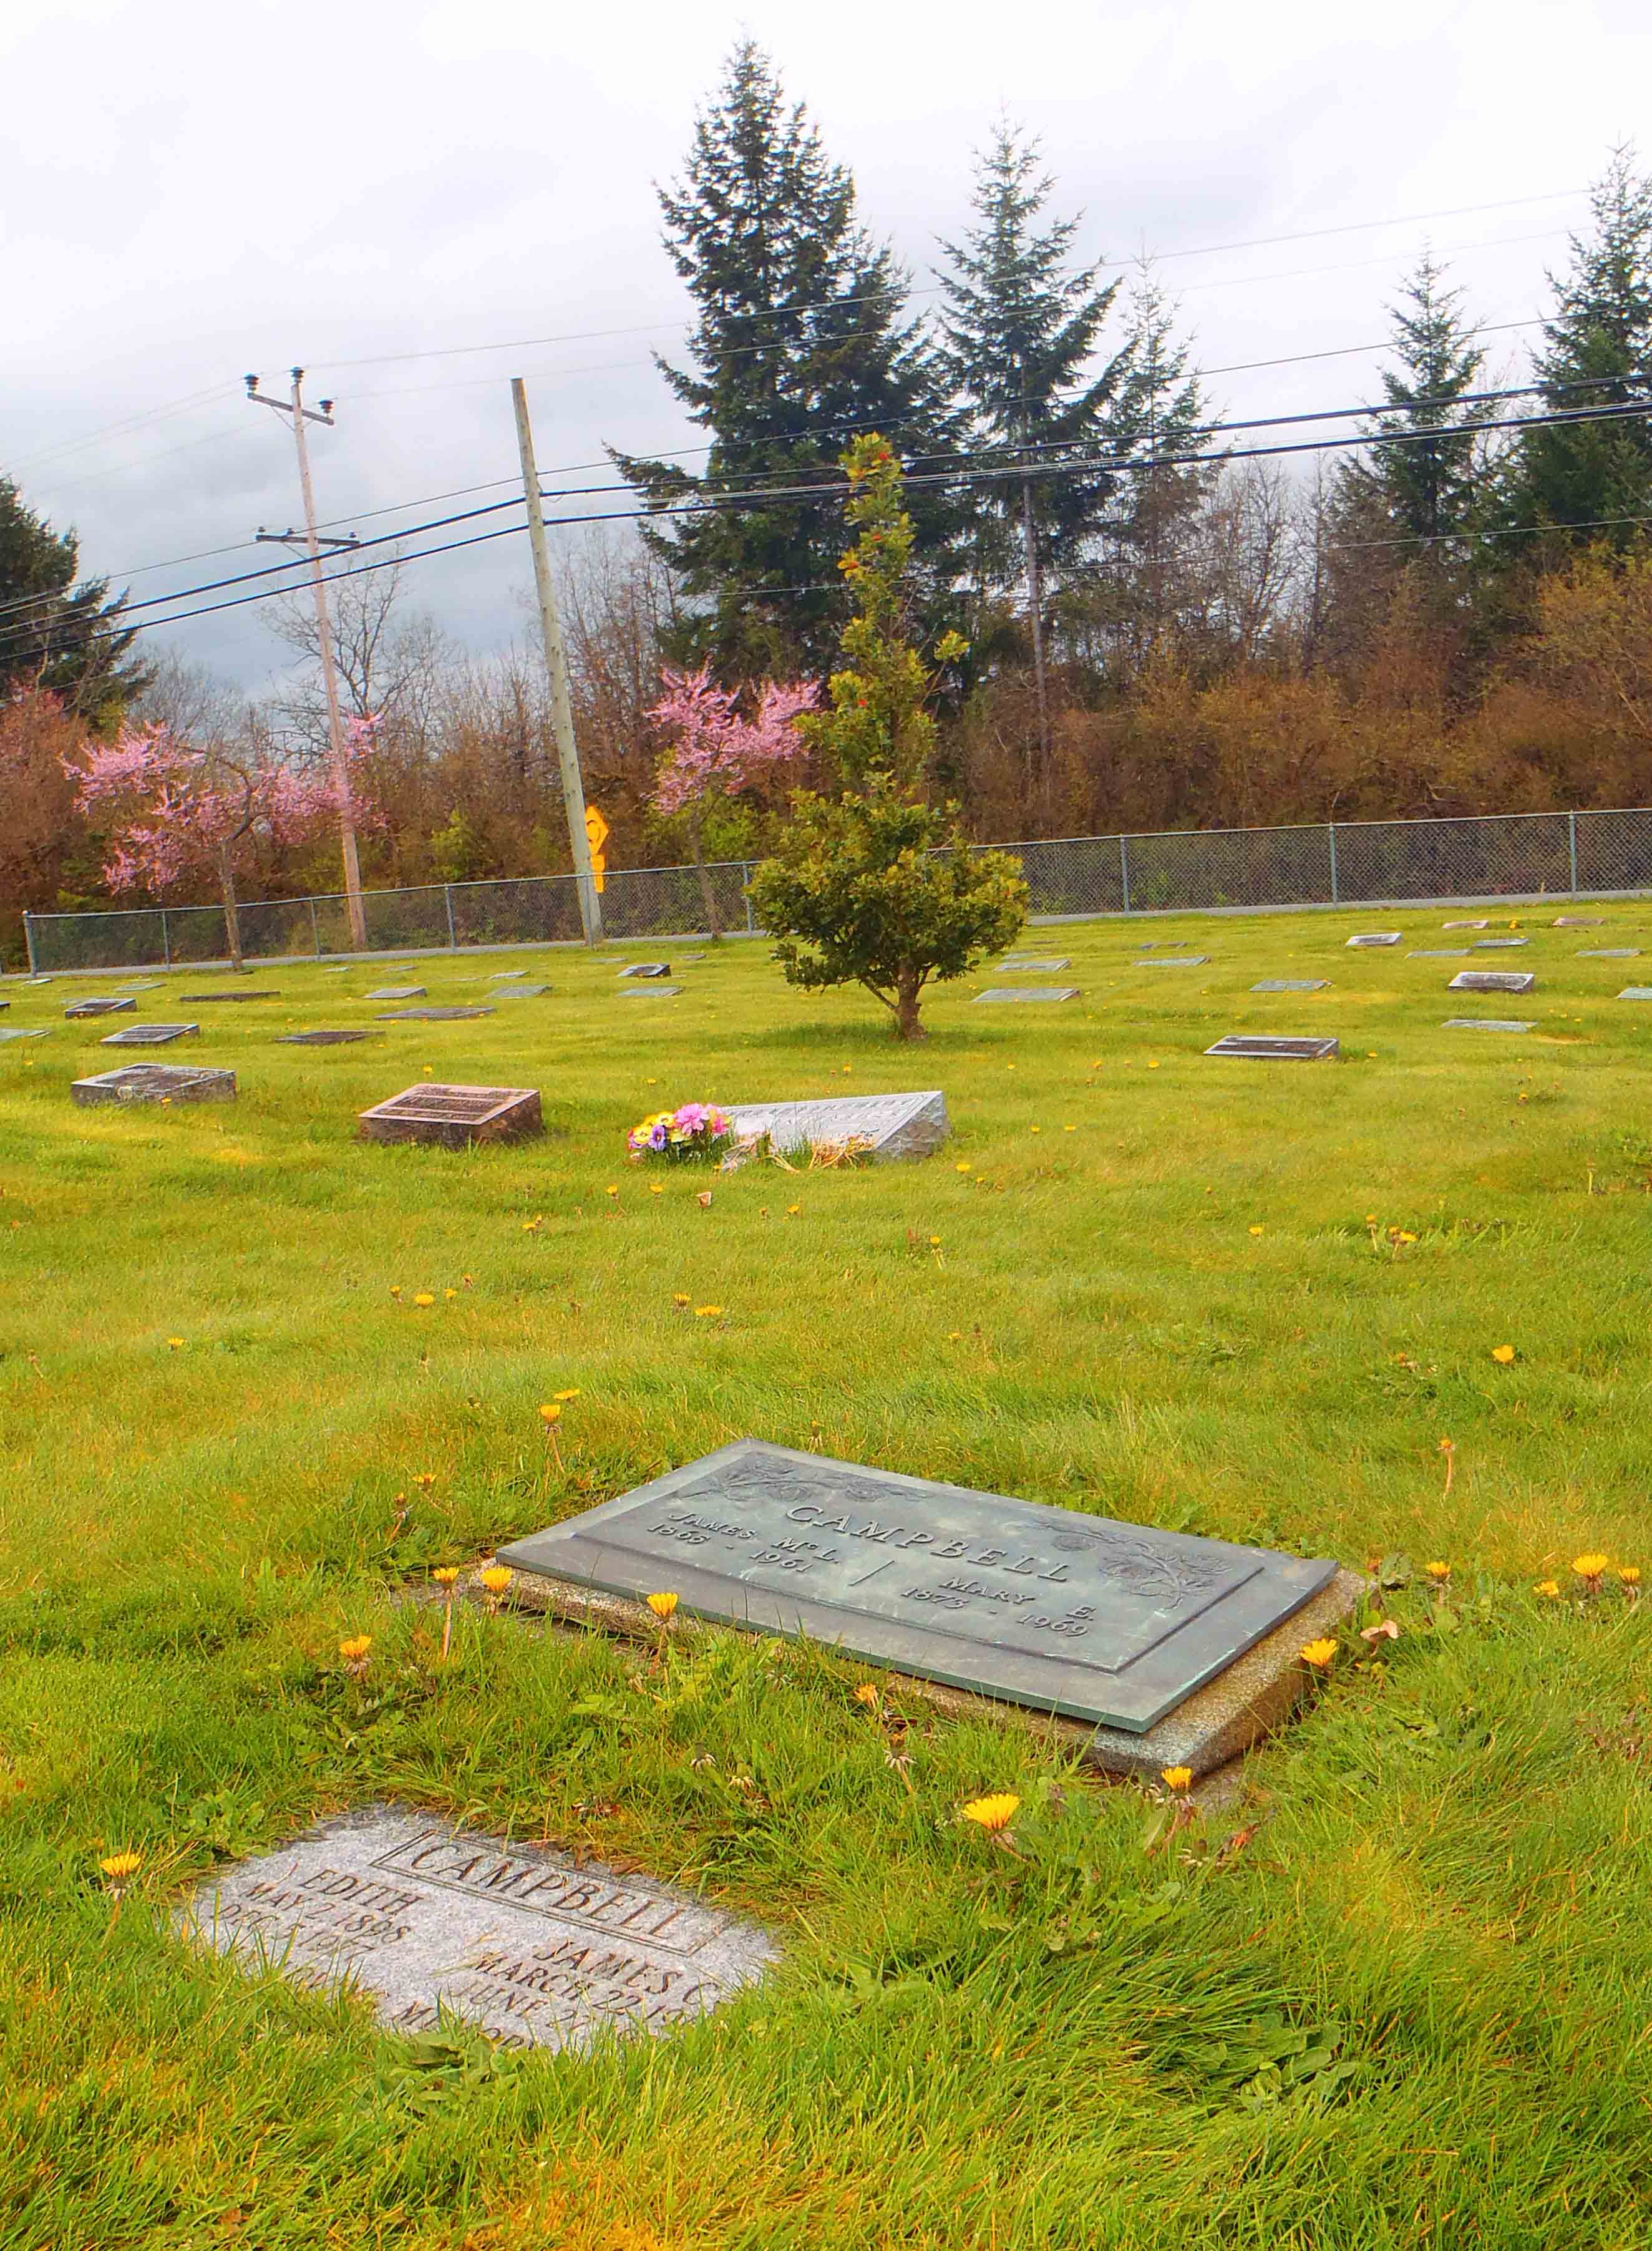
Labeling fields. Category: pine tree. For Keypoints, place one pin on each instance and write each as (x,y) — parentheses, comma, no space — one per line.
(1597,352)
(1021,324)
(54,635)
(802,341)
(1422,486)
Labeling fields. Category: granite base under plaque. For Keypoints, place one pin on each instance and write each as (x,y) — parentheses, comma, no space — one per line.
(1260,1047)
(893,1127)
(154,1082)
(1112,1625)
(520,1941)
(453,1117)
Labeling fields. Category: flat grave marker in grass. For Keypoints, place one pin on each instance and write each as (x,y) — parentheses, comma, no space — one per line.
(1013,962)
(1133,1632)
(1485,1024)
(154,1082)
(1439,953)
(522,992)
(1483,924)
(530,1946)
(1497,945)
(19,1035)
(141,985)
(451,1117)
(1181,961)
(432,1016)
(1579,922)
(253,993)
(102,1006)
(1493,980)
(1636,993)
(322,1039)
(397,993)
(1291,984)
(647,969)
(1011,993)
(504,976)
(1609,953)
(652,993)
(150,1035)
(895,1127)
(1376,938)
(1261,1047)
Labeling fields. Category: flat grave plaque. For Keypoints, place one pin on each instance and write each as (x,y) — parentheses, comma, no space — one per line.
(253,993)
(1485,1024)
(521,992)
(153,1082)
(149,1036)
(1291,984)
(1492,980)
(652,993)
(897,1127)
(431,1015)
(530,1946)
(338,968)
(647,969)
(1609,953)
(1636,993)
(104,1006)
(1579,922)
(1258,1047)
(5,1004)
(1497,944)
(37,980)
(454,1115)
(141,985)
(503,976)
(397,993)
(22,1035)
(1439,953)
(1376,938)
(1046,1607)
(1466,925)
(1181,961)
(1024,961)
(1015,992)
(322,1039)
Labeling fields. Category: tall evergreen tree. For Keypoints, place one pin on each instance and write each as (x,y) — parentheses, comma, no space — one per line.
(1597,351)
(1420,486)
(803,340)
(54,635)
(1021,324)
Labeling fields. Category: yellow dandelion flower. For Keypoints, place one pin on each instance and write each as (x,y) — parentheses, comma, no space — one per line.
(1590,1566)
(423,1297)
(551,1414)
(1629,1574)
(866,1694)
(356,1648)
(654,1188)
(1502,1353)
(966,1168)
(1257,1231)
(497,1577)
(177,1343)
(662,1606)
(934,1243)
(792,1210)
(993,1814)
(396,1289)
(612,1190)
(446,1575)
(450,1293)
(1548,1587)
(119,1865)
(563,1397)
(707,1312)
(1438,1571)
(1176,1777)
(1317,1653)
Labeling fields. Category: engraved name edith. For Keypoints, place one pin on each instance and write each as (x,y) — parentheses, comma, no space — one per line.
(1079,1614)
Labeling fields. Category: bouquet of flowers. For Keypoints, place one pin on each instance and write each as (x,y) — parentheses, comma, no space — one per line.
(695,1131)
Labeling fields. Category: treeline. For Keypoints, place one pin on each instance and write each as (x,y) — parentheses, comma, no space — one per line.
(1161,627)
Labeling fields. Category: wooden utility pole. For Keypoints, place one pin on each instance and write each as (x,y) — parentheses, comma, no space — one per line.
(562,715)
(301,415)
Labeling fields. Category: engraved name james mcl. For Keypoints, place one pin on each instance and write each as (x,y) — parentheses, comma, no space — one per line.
(516,1940)
(1073,1613)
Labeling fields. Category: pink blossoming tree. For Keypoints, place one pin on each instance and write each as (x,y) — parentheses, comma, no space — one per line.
(174,812)
(712,750)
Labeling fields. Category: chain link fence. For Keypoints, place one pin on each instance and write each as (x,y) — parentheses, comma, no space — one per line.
(1342,863)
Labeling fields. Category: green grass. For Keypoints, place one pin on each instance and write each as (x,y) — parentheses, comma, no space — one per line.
(1179,1312)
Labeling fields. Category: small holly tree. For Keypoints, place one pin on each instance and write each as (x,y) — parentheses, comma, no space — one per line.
(876,886)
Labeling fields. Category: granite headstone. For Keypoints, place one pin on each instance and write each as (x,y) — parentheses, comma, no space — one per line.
(453,1117)
(893,1127)
(153,1082)
(1260,1047)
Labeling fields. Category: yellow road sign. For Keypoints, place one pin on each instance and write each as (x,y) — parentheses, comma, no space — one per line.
(596,836)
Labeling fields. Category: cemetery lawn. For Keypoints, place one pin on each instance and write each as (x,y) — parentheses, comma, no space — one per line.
(1395,1990)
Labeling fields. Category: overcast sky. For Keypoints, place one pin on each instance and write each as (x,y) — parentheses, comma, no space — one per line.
(417,201)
